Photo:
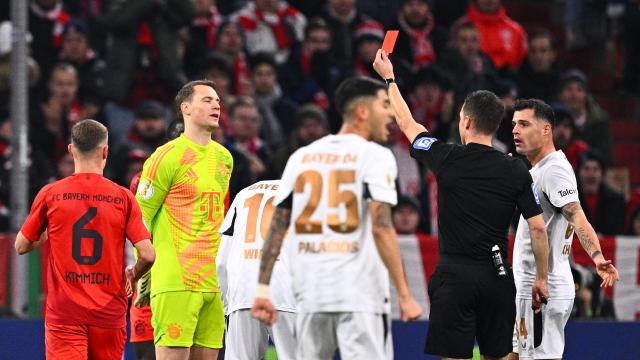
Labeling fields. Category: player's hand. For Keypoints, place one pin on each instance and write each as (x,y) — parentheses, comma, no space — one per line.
(607,272)
(383,65)
(130,275)
(410,310)
(263,310)
(144,291)
(539,295)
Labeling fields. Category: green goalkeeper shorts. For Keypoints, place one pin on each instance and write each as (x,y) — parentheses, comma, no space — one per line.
(187,318)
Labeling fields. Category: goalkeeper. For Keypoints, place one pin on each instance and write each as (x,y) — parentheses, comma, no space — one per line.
(181,193)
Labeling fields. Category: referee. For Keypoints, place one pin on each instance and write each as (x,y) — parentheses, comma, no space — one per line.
(472,294)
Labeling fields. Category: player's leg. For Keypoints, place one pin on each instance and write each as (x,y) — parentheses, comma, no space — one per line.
(452,319)
(316,336)
(174,319)
(361,335)
(106,343)
(209,331)
(246,339)
(145,350)
(496,311)
(523,342)
(554,318)
(283,335)
(69,342)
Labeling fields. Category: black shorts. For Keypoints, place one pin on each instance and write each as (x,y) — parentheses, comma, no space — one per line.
(470,301)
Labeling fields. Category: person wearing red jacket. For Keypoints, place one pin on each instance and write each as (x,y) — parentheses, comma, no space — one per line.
(501,38)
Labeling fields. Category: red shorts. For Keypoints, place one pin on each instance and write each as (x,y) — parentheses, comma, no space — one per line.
(81,342)
(141,329)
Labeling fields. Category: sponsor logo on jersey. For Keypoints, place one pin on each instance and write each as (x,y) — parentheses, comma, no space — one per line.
(566,192)
(535,192)
(424,143)
(145,189)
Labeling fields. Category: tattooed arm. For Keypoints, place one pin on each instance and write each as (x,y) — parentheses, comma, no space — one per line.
(589,240)
(273,243)
(387,245)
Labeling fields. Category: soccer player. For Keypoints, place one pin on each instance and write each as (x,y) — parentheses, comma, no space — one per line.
(533,123)
(86,218)
(338,193)
(181,194)
(140,316)
(237,264)
(472,291)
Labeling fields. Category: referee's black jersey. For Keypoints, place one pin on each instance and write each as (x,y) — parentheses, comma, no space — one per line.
(478,190)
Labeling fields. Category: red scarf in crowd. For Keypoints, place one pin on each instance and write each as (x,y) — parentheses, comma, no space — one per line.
(210,23)
(423,53)
(57,16)
(241,71)
(275,21)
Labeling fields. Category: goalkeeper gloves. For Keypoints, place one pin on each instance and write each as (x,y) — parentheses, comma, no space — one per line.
(144,291)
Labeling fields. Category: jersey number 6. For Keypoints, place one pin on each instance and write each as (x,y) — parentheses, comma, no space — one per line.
(337,197)
(79,233)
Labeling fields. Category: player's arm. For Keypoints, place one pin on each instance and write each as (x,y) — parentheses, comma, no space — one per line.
(386,241)
(24,245)
(273,243)
(540,245)
(146,258)
(404,118)
(590,243)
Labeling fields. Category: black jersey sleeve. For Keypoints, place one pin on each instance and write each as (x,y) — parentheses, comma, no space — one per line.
(528,200)
(430,151)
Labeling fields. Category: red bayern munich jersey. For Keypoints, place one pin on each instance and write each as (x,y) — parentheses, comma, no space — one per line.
(87,218)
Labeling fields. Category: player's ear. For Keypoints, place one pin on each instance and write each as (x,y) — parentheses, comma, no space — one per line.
(105,152)
(70,149)
(185,108)
(361,110)
(547,128)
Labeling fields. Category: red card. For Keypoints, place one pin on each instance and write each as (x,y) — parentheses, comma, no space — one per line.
(389,41)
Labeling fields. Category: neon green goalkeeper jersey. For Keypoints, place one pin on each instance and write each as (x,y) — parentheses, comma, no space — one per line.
(182,194)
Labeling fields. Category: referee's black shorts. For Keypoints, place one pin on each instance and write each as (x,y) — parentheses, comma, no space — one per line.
(469,300)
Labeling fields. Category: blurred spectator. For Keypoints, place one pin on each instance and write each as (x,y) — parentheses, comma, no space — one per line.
(592,122)
(244,127)
(91,12)
(5,167)
(52,118)
(271,26)
(241,176)
(47,22)
(33,70)
(585,23)
(431,101)
(64,166)
(633,228)
(591,301)
(310,74)
(231,45)
(564,136)
(632,47)
(604,207)
(202,35)
(276,110)
(501,38)
(507,91)
(143,61)
(409,179)
(217,69)
(406,217)
(147,133)
(447,12)
(469,68)
(343,17)
(310,125)
(309,8)
(77,50)
(538,76)
(419,40)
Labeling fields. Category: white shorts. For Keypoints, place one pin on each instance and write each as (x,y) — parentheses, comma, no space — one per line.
(358,335)
(248,338)
(554,316)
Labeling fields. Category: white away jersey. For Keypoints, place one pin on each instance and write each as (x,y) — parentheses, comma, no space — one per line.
(556,186)
(238,260)
(334,260)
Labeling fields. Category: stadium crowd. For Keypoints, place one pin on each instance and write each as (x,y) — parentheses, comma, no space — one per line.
(276,65)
